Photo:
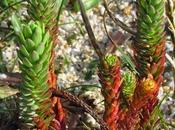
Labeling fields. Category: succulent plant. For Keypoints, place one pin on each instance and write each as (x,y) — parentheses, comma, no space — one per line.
(109,75)
(34,53)
(132,117)
(149,46)
(44,10)
(129,85)
(47,11)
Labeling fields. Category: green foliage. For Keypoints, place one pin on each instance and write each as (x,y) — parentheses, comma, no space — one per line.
(149,46)
(110,59)
(157,120)
(127,61)
(8,6)
(34,54)
(150,22)
(108,71)
(34,42)
(6,3)
(129,85)
(44,10)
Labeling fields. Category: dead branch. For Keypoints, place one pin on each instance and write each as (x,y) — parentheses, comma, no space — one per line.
(89,30)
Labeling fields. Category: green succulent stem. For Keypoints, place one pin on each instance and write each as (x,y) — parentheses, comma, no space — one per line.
(44,10)
(48,12)
(129,85)
(149,46)
(34,52)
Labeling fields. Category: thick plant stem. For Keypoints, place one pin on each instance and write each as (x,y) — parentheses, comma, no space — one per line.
(129,120)
(109,76)
(48,15)
(147,88)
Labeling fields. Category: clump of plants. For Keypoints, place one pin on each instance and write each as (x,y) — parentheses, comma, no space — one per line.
(129,102)
(130,96)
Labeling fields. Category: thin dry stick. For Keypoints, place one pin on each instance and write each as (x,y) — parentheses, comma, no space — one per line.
(110,38)
(89,30)
(117,21)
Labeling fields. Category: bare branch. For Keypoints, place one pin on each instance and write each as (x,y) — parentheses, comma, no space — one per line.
(89,30)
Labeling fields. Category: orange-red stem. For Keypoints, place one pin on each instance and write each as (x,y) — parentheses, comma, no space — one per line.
(110,80)
(59,123)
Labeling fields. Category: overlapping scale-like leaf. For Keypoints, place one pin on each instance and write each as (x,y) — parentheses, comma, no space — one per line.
(109,76)
(149,46)
(129,85)
(149,54)
(44,10)
(34,55)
